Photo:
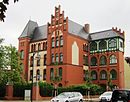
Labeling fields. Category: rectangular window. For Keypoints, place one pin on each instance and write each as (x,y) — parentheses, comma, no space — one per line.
(57,57)
(52,58)
(85,60)
(45,59)
(31,74)
(52,43)
(51,74)
(31,61)
(60,72)
(103,76)
(61,40)
(57,41)
(61,57)
(121,44)
(44,74)
(38,62)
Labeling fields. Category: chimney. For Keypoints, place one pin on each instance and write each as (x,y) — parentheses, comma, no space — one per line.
(86,28)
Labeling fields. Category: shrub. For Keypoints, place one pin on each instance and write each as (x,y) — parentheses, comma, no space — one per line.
(45,89)
(19,89)
(2,90)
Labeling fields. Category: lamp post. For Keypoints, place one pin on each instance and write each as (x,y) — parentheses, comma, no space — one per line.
(38,56)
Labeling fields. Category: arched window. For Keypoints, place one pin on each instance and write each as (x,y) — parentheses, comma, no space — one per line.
(94,75)
(103,75)
(57,57)
(93,61)
(31,61)
(102,45)
(38,75)
(93,46)
(60,72)
(113,74)
(44,74)
(57,41)
(103,60)
(113,59)
(52,43)
(45,59)
(39,47)
(112,43)
(61,40)
(21,54)
(61,57)
(51,74)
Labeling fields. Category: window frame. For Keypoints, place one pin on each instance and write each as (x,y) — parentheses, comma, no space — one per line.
(102,45)
(103,60)
(93,63)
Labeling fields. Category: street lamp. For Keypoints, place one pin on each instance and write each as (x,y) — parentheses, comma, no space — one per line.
(38,57)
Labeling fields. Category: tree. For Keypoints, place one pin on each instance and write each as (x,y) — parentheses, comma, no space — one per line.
(9,66)
(3,8)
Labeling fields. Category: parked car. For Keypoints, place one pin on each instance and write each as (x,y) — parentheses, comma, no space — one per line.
(106,96)
(121,95)
(68,97)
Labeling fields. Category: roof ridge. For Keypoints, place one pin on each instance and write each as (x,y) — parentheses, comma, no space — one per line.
(100,31)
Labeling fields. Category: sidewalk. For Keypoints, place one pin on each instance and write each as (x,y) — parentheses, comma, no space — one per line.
(91,100)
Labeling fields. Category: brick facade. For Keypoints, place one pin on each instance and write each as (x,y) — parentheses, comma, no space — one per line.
(68,43)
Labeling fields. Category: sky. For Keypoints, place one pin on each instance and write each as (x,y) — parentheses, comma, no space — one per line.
(100,14)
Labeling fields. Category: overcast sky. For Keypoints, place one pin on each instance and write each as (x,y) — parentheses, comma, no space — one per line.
(100,14)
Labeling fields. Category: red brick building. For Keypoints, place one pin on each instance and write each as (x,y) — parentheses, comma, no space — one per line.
(75,49)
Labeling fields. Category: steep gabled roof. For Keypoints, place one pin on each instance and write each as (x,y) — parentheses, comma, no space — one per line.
(77,29)
(104,35)
(39,33)
(28,30)
(35,32)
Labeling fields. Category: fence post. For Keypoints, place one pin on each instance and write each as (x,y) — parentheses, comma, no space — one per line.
(9,91)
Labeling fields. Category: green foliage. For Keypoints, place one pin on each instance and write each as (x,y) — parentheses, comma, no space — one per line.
(56,77)
(19,89)
(87,77)
(94,89)
(9,65)
(46,89)
(2,90)
(3,8)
